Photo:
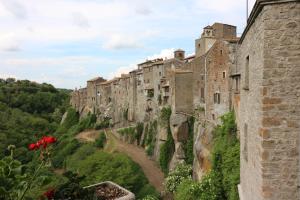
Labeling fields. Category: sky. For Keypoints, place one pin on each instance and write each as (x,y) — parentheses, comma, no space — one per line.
(67,42)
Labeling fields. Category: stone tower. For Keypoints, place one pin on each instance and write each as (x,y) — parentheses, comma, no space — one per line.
(203,44)
(179,54)
(269,62)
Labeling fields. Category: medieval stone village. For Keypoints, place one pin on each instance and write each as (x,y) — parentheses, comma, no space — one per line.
(255,75)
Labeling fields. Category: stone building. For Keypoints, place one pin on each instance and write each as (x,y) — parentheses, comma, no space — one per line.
(78,100)
(269,119)
(92,94)
(256,75)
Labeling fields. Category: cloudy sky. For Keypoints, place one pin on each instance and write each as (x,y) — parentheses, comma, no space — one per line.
(66,42)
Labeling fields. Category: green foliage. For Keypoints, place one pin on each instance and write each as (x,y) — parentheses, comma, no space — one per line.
(166,149)
(33,98)
(165,115)
(12,178)
(150,137)
(64,149)
(72,189)
(103,124)
(128,133)
(226,156)
(27,111)
(149,197)
(101,140)
(175,177)
(189,144)
(87,122)
(222,181)
(207,189)
(101,166)
(139,131)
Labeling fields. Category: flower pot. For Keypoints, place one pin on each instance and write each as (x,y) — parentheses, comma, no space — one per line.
(111,191)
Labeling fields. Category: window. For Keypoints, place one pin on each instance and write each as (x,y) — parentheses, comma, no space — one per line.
(245,149)
(246,83)
(224,74)
(221,52)
(167,89)
(159,73)
(158,87)
(217,98)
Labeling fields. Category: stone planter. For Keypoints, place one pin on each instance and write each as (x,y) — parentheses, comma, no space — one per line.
(126,195)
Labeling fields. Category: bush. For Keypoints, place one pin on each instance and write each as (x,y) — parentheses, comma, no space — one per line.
(189,144)
(101,140)
(207,189)
(64,149)
(119,168)
(139,131)
(175,177)
(222,181)
(226,156)
(103,124)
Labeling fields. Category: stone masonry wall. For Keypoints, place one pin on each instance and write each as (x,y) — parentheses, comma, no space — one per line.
(269,112)
(280,93)
(251,116)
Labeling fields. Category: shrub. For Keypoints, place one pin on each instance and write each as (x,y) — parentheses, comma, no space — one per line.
(101,140)
(72,118)
(221,182)
(207,189)
(189,144)
(175,177)
(119,168)
(139,131)
(226,156)
(103,124)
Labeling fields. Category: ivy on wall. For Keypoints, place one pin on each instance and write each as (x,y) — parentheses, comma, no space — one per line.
(168,148)
(189,144)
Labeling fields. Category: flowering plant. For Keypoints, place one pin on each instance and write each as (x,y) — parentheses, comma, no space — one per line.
(42,144)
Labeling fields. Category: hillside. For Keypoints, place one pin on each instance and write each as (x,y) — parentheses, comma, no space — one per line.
(30,111)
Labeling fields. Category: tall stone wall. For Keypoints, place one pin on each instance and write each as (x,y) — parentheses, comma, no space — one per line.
(269,109)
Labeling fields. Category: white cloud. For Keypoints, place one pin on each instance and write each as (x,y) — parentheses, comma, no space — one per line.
(80,20)
(117,42)
(165,53)
(16,8)
(9,42)
(122,70)
(67,61)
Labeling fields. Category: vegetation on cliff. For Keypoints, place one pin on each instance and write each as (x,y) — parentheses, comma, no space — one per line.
(166,149)
(221,182)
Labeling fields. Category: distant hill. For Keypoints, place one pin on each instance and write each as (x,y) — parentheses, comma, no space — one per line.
(28,110)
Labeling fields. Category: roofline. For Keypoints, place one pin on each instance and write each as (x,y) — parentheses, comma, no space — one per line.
(258,6)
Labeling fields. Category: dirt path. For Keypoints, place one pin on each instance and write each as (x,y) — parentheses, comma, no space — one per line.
(137,154)
(88,135)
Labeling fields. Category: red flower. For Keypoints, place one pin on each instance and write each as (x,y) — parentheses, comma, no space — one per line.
(49,194)
(44,142)
(49,139)
(32,147)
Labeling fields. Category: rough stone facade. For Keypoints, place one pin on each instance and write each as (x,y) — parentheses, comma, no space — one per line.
(269,123)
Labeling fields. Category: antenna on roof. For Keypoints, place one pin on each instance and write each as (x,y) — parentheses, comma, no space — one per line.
(247,10)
